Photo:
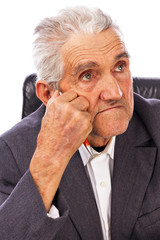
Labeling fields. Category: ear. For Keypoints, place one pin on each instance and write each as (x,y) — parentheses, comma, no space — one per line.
(44,91)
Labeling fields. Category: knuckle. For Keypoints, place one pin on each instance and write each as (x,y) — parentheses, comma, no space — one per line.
(88,116)
(84,101)
(86,120)
(67,107)
(78,116)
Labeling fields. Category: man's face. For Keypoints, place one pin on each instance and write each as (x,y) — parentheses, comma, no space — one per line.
(97,67)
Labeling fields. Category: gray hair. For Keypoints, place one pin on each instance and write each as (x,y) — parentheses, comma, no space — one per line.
(53,32)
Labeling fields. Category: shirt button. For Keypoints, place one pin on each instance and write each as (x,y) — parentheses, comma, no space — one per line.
(103,184)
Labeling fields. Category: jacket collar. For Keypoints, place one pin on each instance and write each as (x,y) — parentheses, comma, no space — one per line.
(133,167)
(77,190)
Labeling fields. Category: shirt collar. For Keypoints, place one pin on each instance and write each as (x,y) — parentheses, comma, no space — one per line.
(109,150)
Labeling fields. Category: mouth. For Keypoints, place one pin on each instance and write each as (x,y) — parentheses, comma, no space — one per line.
(110,109)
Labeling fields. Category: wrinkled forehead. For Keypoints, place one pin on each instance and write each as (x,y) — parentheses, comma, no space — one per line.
(83,46)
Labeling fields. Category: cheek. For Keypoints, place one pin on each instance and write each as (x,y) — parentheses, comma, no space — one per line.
(127,89)
(130,99)
(92,97)
(93,100)
(65,85)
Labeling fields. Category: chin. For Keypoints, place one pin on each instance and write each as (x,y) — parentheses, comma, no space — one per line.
(110,129)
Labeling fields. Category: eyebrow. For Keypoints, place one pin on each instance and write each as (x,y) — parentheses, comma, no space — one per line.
(81,67)
(122,55)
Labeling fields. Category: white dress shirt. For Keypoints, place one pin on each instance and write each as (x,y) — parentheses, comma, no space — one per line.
(99,169)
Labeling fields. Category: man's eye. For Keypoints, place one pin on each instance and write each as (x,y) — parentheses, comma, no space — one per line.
(120,67)
(87,76)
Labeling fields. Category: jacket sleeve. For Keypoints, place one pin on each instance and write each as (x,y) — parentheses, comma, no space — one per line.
(22,212)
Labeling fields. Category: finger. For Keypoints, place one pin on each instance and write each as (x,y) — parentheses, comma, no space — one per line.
(80,103)
(68,96)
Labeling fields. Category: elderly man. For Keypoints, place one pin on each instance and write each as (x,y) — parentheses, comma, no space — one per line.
(86,164)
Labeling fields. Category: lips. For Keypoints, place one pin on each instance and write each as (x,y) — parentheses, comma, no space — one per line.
(110,108)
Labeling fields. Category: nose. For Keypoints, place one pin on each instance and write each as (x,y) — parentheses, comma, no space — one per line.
(110,90)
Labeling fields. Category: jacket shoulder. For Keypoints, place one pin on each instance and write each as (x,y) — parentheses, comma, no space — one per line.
(149,112)
(21,140)
(29,124)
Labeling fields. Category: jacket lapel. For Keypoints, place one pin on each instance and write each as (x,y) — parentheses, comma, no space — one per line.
(134,161)
(78,193)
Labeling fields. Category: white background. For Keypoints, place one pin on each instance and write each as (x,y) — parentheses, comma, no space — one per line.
(139,21)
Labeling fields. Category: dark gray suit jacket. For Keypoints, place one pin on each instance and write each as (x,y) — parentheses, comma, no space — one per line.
(135,211)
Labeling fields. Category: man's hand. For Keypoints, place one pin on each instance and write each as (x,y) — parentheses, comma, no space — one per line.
(65,126)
